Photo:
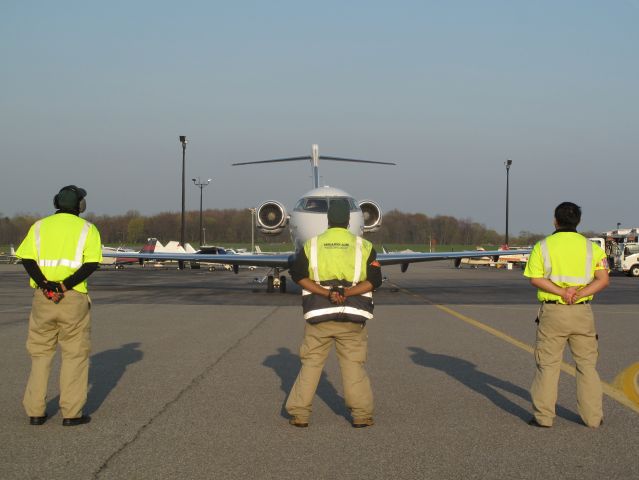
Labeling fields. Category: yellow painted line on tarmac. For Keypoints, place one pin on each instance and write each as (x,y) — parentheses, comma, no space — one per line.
(482,326)
(627,378)
(628,382)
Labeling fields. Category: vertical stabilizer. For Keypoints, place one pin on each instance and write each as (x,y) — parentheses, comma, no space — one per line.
(315,164)
(150,246)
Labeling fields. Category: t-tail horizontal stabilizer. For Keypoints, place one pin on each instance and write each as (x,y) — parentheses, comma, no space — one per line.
(314,157)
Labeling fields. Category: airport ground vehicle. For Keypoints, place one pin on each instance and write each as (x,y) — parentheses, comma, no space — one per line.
(622,248)
(630,259)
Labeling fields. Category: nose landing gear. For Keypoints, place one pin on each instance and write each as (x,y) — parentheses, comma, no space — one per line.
(276,281)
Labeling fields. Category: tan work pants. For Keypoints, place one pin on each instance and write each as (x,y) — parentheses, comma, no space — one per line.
(559,324)
(351,347)
(67,323)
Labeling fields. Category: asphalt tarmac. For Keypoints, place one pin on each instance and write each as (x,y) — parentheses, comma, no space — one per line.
(190,371)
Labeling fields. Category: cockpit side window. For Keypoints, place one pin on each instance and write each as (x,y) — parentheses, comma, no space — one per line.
(352,204)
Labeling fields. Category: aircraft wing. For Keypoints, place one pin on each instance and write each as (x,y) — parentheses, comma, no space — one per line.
(405,258)
(285,260)
(277,260)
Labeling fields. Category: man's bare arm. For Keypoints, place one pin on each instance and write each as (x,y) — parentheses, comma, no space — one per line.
(547,285)
(360,288)
(601,281)
(311,286)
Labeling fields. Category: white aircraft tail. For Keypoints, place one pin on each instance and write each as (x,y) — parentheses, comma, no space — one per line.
(153,245)
(173,247)
(159,248)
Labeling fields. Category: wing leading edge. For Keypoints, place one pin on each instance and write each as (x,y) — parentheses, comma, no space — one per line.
(406,258)
(278,260)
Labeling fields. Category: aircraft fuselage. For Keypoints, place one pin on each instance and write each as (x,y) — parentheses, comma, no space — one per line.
(308,218)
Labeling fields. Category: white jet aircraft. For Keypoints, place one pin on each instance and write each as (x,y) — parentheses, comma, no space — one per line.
(307,220)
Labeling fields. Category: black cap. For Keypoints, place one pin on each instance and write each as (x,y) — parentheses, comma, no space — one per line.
(339,212)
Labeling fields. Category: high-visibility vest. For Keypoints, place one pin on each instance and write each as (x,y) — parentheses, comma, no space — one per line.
(568,259)
(337,257)
(60,244)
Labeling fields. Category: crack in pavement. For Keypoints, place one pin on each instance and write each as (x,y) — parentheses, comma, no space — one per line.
(194,382)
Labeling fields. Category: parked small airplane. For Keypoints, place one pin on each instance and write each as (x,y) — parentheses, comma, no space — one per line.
(506,259)
(119,256)
(307,220)
(214,250)
(11,257)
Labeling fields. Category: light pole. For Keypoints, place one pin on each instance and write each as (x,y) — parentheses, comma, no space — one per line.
(201,186)
(508,163)
(253,212)
(183,141)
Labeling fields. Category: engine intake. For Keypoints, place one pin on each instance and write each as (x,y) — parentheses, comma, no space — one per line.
(372,215)
(271,218)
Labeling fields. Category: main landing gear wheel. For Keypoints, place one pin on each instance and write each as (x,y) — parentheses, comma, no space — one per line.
(270,284)
(282,284)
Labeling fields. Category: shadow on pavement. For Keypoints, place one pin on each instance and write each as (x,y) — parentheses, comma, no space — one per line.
(487,385)
(105,371)
(286,365)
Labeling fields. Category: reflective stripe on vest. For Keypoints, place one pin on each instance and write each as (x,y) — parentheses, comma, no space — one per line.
(367,294)
(338,310)
(63,262)
(358,260)
(313,263)
(318,309)
(36,235)
(313,259)
(585,280)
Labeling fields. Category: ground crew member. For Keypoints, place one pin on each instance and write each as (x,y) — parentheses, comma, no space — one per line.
(567,269)
(338,272)
(59,253)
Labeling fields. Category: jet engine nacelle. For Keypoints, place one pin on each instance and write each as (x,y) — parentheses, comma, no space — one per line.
(372,215)
(271,218)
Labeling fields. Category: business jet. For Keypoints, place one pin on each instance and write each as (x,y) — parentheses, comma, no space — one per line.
(308,219)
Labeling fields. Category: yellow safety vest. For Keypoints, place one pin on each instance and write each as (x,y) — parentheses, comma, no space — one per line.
(60,244)
(337,257)
(337,254)
(568,259)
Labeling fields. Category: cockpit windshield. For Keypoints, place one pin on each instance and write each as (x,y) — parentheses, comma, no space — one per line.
(320,204)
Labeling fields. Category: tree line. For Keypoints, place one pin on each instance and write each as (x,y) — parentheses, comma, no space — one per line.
(234,226)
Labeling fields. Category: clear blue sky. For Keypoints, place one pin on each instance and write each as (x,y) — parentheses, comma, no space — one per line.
(97,93)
